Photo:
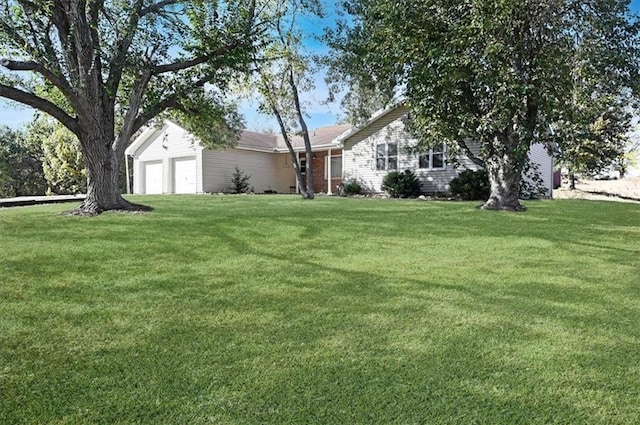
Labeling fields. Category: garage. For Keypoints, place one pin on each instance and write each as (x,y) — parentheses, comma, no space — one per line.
(184,175)
(153,177)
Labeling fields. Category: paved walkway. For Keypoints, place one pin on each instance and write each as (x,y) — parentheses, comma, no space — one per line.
(34,200)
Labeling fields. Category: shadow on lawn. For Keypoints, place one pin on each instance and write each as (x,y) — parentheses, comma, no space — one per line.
(344,342)
(487,350)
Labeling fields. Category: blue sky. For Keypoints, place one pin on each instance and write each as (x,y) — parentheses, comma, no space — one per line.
(320,113)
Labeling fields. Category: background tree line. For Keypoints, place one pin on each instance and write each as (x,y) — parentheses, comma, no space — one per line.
(43,159)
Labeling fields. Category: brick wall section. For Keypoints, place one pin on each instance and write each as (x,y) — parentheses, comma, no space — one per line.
(319,167)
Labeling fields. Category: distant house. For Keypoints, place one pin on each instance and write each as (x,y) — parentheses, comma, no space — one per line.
(170,160)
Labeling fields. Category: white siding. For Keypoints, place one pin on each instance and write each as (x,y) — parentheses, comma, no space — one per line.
(213,168)
(360,164)
(634,169)
(219,166)
(359,160)
(539,155)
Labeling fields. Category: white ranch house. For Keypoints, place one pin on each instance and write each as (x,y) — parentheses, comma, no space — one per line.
(170,160)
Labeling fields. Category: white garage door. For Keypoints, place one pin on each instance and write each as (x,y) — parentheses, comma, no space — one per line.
(184,174)
(153,177)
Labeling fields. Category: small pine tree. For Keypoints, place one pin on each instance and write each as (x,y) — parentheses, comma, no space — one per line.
(240,182)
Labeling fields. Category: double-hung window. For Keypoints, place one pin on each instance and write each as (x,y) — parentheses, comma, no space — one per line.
(386,156)
(434,158)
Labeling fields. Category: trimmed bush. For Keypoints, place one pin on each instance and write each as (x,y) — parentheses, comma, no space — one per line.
(352,188)
(401,184)
(471,185)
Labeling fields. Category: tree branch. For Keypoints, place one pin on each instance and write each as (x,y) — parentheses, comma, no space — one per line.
(20,66)
(157,7)
(41,104)
(33,66)
(148,115)
(94,16)
(469,153)
(168,102)
(122,46)
(60,19)
(129,126)
(179,66)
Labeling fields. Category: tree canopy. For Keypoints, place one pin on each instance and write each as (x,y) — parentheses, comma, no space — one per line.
(497,73)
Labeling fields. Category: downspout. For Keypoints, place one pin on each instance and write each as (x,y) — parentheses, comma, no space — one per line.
(298,182)
(126,164)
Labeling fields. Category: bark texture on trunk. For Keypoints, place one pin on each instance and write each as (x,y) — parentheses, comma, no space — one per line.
(103,192)
(308,189)
(504,179)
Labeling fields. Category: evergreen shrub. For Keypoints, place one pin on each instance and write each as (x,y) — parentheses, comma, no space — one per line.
(401,184)
(471,185)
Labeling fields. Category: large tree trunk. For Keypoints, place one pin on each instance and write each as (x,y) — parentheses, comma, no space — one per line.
(308,190)
(103,192)
(504,179)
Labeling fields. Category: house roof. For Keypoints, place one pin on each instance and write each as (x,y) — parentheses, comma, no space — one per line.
(260,141)
(324,137)
(320,138)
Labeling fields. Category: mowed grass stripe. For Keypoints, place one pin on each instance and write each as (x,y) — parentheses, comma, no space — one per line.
(271,309)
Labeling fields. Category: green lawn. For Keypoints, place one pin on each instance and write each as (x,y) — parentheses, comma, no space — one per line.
(271,309)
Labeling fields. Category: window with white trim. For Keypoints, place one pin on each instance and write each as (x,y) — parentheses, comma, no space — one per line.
(336,167)
(386,156)
(434,158)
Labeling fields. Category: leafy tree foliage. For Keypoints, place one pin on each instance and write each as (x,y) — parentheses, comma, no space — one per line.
(63,163)
(20,166)
(595,139)
(110,67)
(359,103)
(499,73)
